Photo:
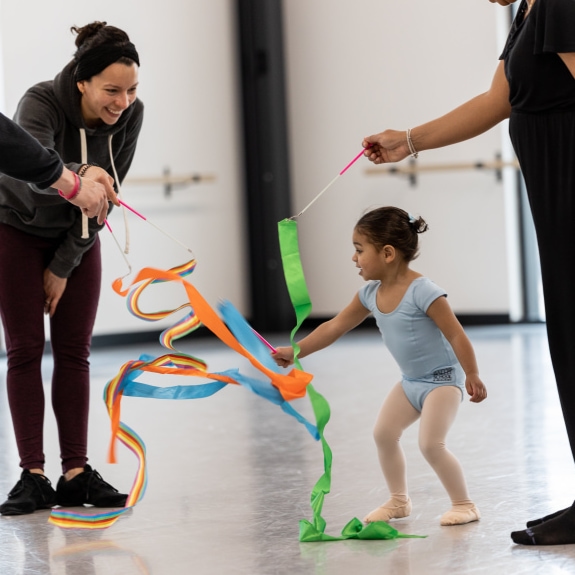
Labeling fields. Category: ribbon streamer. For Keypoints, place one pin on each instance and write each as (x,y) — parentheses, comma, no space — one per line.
(299,295)
(238,335)
(154,225)
(330,184)
(233,330)
(121,250)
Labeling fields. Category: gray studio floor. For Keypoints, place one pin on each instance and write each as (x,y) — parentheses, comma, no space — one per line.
(230,476)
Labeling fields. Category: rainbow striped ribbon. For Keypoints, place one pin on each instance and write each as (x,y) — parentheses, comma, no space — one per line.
(235,332)
(185,326)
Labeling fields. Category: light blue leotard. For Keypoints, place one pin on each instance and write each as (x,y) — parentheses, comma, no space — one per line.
(425,357)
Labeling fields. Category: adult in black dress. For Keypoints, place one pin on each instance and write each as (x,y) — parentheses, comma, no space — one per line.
(533,86)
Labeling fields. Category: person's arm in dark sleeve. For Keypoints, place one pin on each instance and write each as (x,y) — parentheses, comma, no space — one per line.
(23,157)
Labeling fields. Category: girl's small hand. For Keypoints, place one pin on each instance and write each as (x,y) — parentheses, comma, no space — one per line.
(475,388)
(283,356)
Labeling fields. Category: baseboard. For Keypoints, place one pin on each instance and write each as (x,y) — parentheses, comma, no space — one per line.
(465,320)
(140,337)
(143,337)
(483,319)
(102,341)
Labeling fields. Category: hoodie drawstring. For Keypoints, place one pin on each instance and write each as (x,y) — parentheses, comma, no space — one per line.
(84,160)
(118,187)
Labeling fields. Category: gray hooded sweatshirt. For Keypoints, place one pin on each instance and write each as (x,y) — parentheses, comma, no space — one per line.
(51,112)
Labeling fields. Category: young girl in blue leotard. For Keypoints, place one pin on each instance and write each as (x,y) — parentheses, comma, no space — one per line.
(435,356)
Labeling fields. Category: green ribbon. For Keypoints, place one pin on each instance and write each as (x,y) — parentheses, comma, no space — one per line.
(299,295)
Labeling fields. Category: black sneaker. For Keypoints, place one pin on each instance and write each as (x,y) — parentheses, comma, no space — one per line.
(33,491)
(89,488)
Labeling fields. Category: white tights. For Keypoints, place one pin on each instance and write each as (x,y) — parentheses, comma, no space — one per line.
(437,415)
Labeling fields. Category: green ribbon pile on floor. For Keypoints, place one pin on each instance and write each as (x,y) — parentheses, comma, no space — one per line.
(299,295)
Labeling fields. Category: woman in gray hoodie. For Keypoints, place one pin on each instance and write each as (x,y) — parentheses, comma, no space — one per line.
(50,261)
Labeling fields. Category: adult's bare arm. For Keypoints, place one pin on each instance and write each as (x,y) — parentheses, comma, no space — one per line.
(474,117)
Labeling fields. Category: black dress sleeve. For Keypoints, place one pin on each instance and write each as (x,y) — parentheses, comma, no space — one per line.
(555,26)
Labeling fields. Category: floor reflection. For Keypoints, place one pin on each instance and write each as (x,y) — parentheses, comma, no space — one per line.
(230,476)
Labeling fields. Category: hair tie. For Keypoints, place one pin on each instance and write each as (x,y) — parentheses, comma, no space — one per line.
(412,219)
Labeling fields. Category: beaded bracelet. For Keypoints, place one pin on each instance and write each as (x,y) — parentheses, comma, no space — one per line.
(84,168)
(75,190)
(413,151)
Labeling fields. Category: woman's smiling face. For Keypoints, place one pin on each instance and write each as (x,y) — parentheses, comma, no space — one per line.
(106,95)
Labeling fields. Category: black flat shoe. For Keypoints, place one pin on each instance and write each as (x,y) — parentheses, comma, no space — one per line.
(88,488)
(33,491)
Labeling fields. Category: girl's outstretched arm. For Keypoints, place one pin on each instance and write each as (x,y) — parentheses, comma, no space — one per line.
(441,313)
(326,333)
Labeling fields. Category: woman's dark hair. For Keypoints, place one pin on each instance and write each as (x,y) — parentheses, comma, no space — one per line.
(394,227)
(95,34)
(98,46)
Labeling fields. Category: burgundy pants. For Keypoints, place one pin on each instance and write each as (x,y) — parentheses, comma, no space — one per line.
(23,259)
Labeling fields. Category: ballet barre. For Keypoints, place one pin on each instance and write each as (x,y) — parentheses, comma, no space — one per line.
(413,168)
(169,181)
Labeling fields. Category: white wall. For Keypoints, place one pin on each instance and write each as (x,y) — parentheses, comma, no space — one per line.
(353,68)
(356,68)
(188,84)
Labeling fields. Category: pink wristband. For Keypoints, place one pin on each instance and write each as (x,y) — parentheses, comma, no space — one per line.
(75,190)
